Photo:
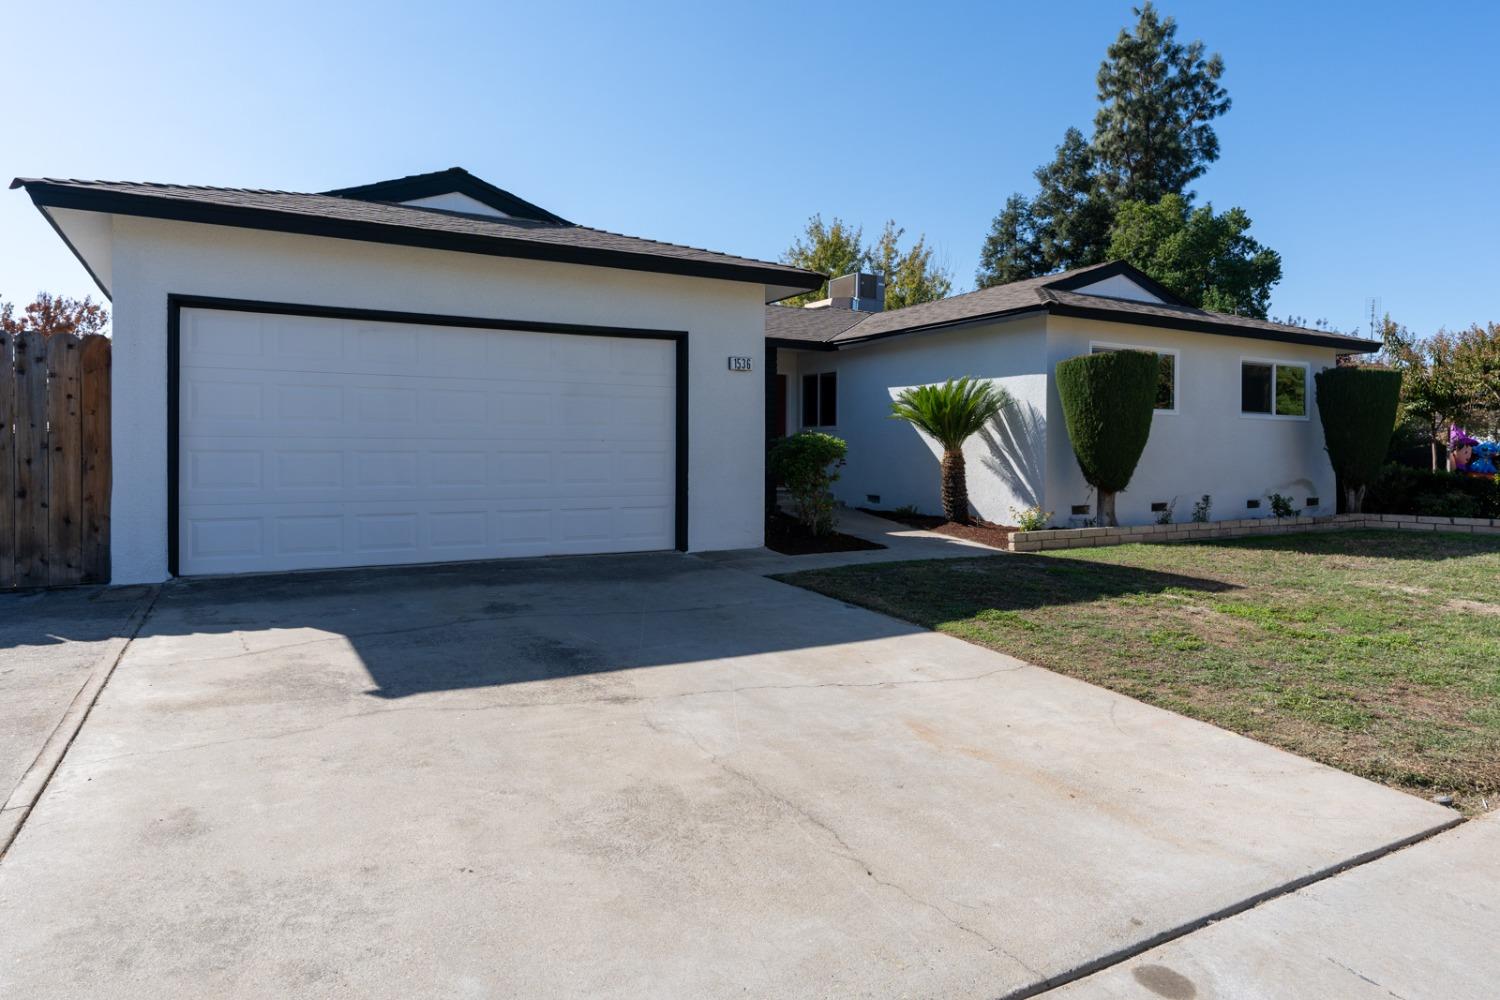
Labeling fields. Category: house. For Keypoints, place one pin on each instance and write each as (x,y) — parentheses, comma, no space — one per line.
(416,370)
(1236,416)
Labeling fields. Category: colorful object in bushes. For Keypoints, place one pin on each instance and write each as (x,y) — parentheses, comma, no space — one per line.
(1486,459)
(1460,449)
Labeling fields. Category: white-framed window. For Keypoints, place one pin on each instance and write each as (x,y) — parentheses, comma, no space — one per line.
(820,399)
(1275,389)
(1166,383)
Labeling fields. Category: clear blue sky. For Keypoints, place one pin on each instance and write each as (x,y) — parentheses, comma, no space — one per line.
(1363,140)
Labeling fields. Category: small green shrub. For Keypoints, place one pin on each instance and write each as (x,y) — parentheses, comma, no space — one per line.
(1281,506)
(1165,516)
(1202,509)
(907,510)
(807,463)
(1401,489)
(1032,518)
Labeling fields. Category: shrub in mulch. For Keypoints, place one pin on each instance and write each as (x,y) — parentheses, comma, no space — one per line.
(790,537)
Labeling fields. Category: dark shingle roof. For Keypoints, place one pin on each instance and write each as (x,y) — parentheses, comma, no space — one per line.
(1054,294)
(351,217)
(809,325)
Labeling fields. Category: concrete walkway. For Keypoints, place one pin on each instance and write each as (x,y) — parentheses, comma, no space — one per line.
(50,642)
(1420,924)
(640,776)
(902,544)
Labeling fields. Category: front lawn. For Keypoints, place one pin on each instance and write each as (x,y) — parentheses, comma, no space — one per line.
(1377,652)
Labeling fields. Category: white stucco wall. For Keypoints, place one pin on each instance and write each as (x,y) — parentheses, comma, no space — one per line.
(153,258)
(1207,446)
(892,460)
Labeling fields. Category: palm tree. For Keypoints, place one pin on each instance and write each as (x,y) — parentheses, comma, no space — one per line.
(950,414)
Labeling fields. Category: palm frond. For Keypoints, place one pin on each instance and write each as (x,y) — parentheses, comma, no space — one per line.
(952,412)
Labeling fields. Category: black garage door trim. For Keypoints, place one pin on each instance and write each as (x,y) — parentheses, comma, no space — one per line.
(178,302)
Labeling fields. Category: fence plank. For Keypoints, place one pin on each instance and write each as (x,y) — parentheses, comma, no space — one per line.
(7,461)
(65,463)
(31,460)
(97,477)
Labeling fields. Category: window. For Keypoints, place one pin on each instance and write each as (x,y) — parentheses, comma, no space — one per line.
(820,400)
(1166,382)
(1273,388)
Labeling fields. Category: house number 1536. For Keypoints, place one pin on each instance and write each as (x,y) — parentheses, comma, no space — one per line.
(739,364)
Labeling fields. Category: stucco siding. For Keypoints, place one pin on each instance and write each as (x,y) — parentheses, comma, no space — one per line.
(891,460)
(1208,445)
(152,259)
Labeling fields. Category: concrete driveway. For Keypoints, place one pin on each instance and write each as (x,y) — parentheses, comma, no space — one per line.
(628,776)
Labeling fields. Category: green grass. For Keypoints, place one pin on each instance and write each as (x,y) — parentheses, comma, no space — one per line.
(1377,652)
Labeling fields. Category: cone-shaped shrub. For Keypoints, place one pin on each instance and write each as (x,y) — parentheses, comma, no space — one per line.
(1358,410)
(1107,402)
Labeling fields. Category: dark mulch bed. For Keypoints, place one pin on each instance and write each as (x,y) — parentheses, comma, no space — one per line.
(786,535)
(983,532)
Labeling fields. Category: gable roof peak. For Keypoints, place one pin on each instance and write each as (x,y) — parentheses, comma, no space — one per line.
(454,180)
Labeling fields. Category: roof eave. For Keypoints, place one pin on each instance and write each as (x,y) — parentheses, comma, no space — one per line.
(46,195)
(1311,338)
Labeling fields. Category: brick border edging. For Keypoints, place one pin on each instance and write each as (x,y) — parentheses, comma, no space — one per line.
(1081,538)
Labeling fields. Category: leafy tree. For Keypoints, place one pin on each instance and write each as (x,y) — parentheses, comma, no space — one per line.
(1434,391)
(808,463)
(50,314)
(1153,135)
(1210,260)
(950,414)
(911,277)
(1108,402)
(1358,409)
(830,249)
(835,249)
(1476,355)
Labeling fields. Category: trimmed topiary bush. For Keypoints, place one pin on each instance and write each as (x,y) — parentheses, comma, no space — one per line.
(807,464)
(1107,401)
(1358,410)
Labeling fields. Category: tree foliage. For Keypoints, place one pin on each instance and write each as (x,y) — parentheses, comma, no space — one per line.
(911,276)
(1443,378)
(807,463)
(829,248)
(49,314)
(837,248)
(1108,402)
(1210,260)
(950,414)
(1358,408)
(1154,133)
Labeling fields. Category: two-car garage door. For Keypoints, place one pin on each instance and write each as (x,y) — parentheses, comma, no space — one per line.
(310,441)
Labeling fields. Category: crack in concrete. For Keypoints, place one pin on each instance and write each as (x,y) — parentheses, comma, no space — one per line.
(1361,976)
(848,853)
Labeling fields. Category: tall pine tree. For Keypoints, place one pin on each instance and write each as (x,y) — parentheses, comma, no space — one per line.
(1152,136)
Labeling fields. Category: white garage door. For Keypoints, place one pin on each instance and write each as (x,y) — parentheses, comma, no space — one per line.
(312,442)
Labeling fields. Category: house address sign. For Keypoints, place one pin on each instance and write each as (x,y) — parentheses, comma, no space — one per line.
(737,364)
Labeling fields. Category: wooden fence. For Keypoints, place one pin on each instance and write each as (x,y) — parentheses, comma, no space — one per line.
(54,460)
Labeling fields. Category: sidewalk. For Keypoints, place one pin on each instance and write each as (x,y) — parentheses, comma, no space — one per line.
(901,543)
(1420,924)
